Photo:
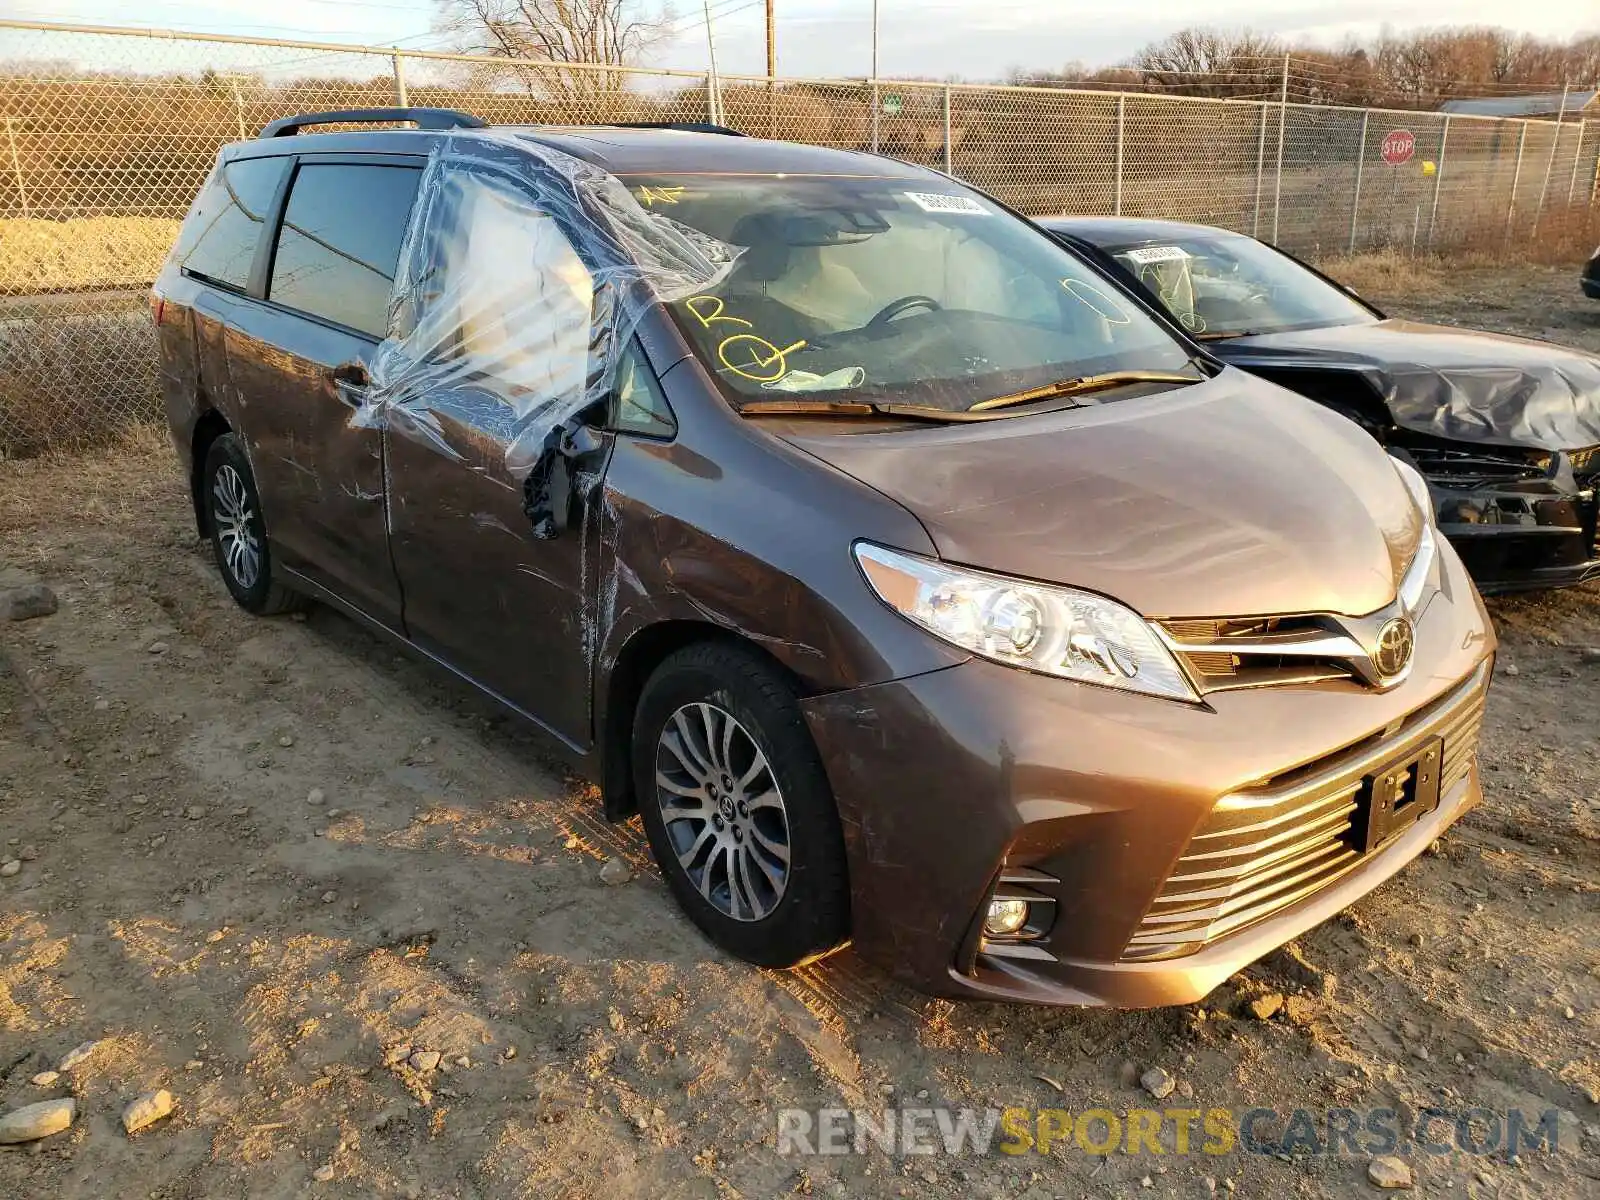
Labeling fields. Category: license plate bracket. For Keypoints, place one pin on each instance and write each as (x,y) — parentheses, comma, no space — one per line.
(1396,796)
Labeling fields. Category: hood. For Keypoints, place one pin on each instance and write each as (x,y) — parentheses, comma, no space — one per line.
(1226,498)
(1452,383)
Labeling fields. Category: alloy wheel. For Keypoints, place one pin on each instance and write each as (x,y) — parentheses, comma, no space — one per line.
(723,811)
(236,525)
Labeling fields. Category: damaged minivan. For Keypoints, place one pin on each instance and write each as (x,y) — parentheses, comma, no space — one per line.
(917,584)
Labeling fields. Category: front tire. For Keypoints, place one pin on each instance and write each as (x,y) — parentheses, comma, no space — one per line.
(737,808)
(238,534)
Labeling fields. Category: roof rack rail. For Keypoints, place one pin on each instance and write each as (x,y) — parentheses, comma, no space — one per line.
(685,126)
(423,118)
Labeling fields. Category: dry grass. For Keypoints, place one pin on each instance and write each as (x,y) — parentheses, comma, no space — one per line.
(38,255)
(1566,237)
(112,485)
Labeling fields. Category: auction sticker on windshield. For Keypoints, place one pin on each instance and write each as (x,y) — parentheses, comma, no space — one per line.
(937,202)
(1146,255)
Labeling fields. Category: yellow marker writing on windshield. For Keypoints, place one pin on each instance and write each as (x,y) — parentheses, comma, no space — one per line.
(752,357)
(651,196)
(708,310)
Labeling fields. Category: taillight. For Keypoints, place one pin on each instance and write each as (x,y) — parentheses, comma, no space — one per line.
(160,307)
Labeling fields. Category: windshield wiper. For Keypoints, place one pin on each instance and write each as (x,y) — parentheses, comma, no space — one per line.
(1078,386)
(1218,335)
(856,408)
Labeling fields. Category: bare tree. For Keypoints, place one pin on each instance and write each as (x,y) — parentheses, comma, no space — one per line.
(610,33)
(1212,62)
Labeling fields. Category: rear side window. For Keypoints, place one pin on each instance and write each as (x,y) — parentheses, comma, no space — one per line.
(340,242)
(219,240)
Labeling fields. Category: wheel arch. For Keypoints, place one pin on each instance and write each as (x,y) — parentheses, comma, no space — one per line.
(210,426)
(638,657)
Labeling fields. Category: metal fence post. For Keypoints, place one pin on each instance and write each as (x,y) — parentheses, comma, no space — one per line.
(1577,158)
(1516,179)
(1277,182)
(1361,161)
(949,150)
(1550,163)
(16,164)
(238,106)
(875,106)
(1122,105)
(1261,162)
(1438,178)
(400,97)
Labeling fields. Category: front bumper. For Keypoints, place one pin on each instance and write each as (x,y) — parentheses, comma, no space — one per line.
(948,780)
(1522,538)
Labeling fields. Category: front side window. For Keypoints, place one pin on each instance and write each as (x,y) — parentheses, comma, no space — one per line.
(1226,284)
(340,242)
(640,404)
(219,239)
(893,290)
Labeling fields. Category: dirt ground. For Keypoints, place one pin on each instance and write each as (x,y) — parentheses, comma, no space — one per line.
(262,860)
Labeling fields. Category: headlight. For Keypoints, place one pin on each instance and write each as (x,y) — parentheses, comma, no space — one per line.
(1418,487)
(1054,630)
(1422,577)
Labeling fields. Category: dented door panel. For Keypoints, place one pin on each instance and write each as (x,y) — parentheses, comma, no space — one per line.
(321,479)
(512,610)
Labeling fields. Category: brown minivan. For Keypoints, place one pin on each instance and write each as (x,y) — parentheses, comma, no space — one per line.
(917,584)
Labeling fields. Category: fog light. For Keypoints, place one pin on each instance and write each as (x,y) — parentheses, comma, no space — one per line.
(1005,917)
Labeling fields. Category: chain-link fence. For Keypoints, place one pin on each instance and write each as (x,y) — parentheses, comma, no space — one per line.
(105,135)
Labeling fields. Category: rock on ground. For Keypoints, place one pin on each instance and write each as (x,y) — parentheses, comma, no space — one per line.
(146,1110)
(1389,1173)
(34,1121)
(26,602)
(1158,1083)
(1264,1008)
(77,1055)
(615,871)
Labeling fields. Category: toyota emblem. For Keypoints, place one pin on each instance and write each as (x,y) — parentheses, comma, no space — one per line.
(1395,641)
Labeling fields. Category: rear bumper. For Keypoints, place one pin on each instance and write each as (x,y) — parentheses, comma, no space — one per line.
(1095,798)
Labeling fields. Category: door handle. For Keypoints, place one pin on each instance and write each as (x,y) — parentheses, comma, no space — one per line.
(352,373)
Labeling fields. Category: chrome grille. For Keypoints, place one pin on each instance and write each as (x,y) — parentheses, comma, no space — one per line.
(1265,848)
(1215,669)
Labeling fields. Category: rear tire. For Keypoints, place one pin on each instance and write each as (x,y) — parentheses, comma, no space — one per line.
(238,534)
(737,808)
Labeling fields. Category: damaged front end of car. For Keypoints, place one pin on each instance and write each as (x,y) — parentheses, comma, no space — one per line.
(1510,446)
(1521,519)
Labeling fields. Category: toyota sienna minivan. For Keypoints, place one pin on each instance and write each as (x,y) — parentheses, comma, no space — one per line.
(917,584)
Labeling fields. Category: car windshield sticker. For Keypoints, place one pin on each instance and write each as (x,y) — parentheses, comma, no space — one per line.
(1146,255)
(937,202)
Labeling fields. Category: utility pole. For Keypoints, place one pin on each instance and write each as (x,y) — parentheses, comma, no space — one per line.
(713,83)
(873,91)
(772,42)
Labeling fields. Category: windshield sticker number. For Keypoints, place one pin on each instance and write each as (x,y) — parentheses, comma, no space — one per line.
(652,196)
(1145,255)
(937,202)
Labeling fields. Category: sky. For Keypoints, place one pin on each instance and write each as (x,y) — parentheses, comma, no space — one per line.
(971,39)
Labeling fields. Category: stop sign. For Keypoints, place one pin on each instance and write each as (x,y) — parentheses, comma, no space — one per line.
(1398,146)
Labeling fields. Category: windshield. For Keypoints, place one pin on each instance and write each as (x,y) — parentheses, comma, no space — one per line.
(1229,284)
(894,291)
